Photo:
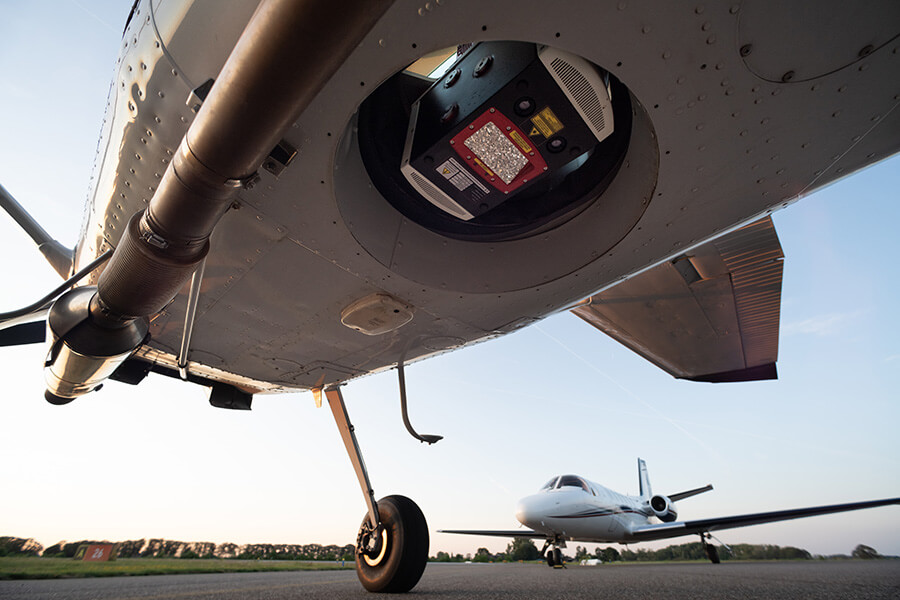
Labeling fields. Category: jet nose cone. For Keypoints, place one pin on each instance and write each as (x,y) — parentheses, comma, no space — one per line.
(521,512)
(526,511)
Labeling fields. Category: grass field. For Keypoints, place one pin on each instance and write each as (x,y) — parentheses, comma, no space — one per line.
(54,568)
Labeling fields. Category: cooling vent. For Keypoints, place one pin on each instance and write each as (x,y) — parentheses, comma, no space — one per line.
(426,188)
(584,87)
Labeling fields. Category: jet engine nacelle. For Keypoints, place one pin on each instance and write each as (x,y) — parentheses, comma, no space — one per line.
(86,346)
(663,508)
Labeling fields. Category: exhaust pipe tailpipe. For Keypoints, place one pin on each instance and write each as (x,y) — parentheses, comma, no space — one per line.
(86,345)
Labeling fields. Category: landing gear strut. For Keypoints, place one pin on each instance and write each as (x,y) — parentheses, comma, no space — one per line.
(392,544)
(711,551)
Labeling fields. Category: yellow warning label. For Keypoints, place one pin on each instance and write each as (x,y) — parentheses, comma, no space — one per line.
(546,122)
(518,139)
(534,131)
(484,166)
(446,171)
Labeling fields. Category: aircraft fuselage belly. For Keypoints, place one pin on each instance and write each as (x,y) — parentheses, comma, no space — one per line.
(727,126)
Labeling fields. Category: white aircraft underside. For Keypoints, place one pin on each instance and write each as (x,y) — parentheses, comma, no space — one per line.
(718,140)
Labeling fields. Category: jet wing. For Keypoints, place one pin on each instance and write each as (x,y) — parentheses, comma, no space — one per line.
(709,315)
(521,533)
(679,528)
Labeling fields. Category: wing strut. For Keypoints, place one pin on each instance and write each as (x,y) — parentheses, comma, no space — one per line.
(59,257)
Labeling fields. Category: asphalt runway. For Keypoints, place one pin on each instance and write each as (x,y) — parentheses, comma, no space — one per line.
(789,580)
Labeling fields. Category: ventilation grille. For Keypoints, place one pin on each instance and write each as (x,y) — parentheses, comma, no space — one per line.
(435,195)
(582,92)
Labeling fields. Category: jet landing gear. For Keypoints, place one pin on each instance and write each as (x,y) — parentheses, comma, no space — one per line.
(392,545)
(553,555)
(711,551)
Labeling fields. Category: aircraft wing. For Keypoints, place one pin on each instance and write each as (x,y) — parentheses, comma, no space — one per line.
(709,315)
(679,528)
(521,533)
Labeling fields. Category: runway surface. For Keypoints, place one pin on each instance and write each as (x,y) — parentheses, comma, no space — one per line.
(789,580)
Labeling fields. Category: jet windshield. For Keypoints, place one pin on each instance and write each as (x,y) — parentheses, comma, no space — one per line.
(573,481)
(567,481)
(549,484)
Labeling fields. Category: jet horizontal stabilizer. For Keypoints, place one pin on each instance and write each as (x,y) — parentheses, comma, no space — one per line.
(689,493)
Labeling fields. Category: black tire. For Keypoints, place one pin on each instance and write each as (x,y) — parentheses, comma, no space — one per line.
(557,558)
(550,557)
(399,568)
(712,553)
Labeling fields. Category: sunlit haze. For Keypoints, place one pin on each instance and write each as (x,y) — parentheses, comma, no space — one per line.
(559,397)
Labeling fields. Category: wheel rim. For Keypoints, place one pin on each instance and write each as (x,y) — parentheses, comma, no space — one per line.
(374,562)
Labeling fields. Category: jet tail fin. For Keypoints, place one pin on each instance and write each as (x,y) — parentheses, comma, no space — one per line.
(644,479)
(59,257)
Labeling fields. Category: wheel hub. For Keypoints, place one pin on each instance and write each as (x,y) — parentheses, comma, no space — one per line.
(372,544)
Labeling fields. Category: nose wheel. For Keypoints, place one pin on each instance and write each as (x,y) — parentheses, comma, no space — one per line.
(555,559)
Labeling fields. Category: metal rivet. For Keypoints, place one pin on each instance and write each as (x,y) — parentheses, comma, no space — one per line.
(746,49)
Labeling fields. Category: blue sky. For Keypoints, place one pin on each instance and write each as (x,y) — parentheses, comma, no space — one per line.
(158,461)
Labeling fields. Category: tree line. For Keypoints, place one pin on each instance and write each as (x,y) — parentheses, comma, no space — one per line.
(522,549)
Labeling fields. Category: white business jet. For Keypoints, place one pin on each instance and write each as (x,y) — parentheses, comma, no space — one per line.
(571,508)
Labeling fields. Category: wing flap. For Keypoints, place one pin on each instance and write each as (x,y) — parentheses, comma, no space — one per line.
(710,315)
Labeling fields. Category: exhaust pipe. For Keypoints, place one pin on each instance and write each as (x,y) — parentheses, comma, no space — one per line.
(85,348)
(252,103)
(250,106)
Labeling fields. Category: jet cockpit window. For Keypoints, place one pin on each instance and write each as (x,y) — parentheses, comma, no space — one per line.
(549,484)
(573,481)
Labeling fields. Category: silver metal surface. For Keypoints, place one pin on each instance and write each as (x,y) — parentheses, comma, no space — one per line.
(342,420)
(72,374)
(719,139)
